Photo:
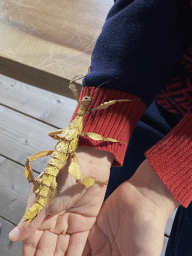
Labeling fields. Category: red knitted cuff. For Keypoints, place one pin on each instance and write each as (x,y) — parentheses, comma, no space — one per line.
(116,121)
(171,158)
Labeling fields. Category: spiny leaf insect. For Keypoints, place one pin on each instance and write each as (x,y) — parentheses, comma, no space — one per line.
(45,186)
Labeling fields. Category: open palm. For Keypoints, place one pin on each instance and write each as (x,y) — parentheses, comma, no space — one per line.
(133,219)
(122,229)
(62,227)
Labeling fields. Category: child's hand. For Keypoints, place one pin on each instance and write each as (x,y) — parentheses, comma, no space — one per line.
(132,220)
(63,226)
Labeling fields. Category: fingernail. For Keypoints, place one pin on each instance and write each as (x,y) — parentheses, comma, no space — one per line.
(14,234)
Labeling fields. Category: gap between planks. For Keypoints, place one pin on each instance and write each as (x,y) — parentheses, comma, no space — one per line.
(6,246)
(53,109)
(14,190)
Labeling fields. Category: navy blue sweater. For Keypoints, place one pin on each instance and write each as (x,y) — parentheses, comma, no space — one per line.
(141,52)
(139,46)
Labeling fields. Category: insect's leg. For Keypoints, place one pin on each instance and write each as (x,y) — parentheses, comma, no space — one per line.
(95,136)
(28,170)
(90,181)
(74,170)
(109,103)
(74,167)
(54,134)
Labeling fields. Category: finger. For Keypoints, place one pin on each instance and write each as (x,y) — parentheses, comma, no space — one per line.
(23,231)
(47,244)
(30,244)
(77,243)
(99,242)
(62,245)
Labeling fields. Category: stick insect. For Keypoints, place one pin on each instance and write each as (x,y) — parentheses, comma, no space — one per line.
(45,186)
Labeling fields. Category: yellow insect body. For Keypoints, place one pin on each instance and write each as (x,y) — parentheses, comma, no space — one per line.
(45,186)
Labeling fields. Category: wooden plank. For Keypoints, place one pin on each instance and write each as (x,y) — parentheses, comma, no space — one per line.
(14,190)
(72,24)
(12,206)
(165,241)
(8,248)
(22,136)
(52,36)
(46,106)
(36,77)
(13,178)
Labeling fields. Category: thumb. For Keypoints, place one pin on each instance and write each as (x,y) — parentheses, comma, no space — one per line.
(23,230)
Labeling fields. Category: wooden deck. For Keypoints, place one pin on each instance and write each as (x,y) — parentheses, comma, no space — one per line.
(46,40)
(27,115)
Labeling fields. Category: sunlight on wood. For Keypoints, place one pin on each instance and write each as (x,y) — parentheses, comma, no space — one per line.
(54,36)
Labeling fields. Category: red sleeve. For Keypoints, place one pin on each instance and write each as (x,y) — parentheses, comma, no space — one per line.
(117,121)
(171,158)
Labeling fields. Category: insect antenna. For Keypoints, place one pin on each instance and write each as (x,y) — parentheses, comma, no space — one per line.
(104,83)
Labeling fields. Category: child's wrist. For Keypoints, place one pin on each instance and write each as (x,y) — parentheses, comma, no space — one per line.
(146,180)
(94,162)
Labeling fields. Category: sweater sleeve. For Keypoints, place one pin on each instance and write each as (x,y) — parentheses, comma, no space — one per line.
(171,159)
(131,58)
(134,56)
(140,43)
(117,121)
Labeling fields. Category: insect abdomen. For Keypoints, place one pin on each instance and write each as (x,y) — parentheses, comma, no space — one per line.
(32,212)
